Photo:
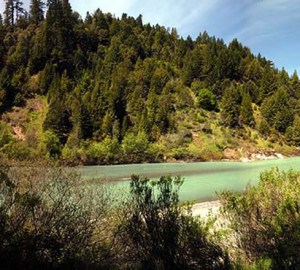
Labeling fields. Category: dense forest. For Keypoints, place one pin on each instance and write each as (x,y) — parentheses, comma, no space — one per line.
(109,90)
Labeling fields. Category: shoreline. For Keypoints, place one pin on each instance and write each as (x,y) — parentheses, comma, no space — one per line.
(206,209)
(240,160)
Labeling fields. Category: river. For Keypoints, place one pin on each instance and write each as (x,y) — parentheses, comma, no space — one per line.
(202,180)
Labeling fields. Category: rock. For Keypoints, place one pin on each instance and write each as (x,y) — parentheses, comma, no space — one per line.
(280,156)
(246,160)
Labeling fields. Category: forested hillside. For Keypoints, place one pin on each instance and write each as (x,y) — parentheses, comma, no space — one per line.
(104,90)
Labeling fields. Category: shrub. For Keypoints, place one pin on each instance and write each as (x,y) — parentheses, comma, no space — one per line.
(103,152)
(135,147)
(46,222)
(266,219)
(5,137)
(51,144)
(160,234)
(18,150)
(207,100)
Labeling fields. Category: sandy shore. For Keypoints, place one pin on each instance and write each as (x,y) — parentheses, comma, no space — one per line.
(203,209)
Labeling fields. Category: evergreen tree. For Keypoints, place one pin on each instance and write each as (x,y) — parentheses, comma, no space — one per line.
(19,9)
(253,90)
(274,104)
(254,72)
(9,13)
(246,110)
(296,130)
(269,83)
(283,118)
(109,77)
(230,106)
(295,84)
(36,11)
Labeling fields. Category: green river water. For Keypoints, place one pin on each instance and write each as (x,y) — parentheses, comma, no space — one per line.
(202,180)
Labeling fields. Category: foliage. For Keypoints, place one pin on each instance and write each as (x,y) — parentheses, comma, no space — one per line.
(246,110)
(104,76)
(51,143)
(230,106)
(207,100)
(161,234)
(5,137)
(46,221)
(265,219)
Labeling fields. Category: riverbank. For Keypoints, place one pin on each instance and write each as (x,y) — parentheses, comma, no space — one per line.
(206,209)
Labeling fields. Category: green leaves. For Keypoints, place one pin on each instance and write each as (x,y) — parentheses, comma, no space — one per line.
(161,234)
(206,100)
(266,219)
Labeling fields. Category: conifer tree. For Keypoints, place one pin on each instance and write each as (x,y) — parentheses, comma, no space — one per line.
(246,110)
(269,83)
(295,84)
(283,118)
(19,9)
(296,130)
(36,11)
(9,13)
(230,107)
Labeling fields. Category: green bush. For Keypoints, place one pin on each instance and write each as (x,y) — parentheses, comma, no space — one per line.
(161,234)
(5,137)
(47,222)
(18,150)
(135,147)
(103,152)
(266,219)
(207,100)
(51,143)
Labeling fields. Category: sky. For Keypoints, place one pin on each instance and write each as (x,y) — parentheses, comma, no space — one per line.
(269,27)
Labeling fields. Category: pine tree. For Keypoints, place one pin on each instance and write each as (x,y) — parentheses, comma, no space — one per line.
(283,119)
(230,107)
(295,84)
(296,130)
(19,9)
(253,90)
(246,110)
(36,11)
(9,13)
(274,104)
(269,83)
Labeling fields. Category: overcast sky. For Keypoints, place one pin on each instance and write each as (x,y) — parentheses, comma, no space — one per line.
(271,27)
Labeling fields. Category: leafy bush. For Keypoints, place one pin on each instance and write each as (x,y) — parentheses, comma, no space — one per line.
(160,234)
(46,222)
(207,100)
(103,152)
(18,150)
(51,144)
(135,147)
(266,219)
(5,137)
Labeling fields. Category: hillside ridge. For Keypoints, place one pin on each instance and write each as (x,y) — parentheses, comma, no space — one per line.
(115,90)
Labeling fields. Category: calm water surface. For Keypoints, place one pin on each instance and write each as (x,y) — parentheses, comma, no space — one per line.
(202,180)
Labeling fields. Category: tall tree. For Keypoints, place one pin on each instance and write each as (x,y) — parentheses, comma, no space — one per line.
(246,110)
(9,13)
(269,82)
(295,83)
(230,106)
(36,11)
(19,8)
